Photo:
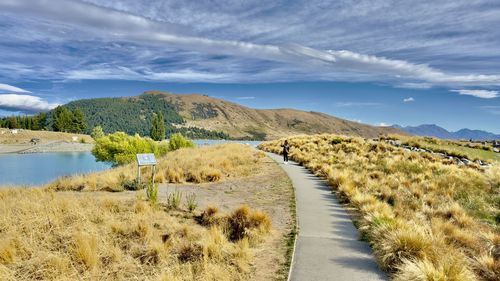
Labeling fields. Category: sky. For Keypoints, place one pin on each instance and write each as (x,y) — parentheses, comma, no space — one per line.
(370,61)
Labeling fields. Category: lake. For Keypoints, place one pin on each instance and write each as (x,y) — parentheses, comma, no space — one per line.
(42,168)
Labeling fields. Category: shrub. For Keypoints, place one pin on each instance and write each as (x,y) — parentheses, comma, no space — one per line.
(120,148)
(132,184)
(97,133)
(174,200)
(209,217)
(191,202)
(152,193)
(178,141)
(243,220)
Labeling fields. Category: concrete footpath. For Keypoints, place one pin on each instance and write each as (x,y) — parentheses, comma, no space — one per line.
(328,246)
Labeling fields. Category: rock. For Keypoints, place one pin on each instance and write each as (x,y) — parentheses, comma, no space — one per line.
(466,161)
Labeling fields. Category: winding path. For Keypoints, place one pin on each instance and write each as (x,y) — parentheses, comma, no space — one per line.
(327,246)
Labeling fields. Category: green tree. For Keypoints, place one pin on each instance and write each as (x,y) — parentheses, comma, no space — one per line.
(62,119)
(13,123)
(78,124)
(97,133)
(120,148)
(179,141)
(158,127)
(42,121)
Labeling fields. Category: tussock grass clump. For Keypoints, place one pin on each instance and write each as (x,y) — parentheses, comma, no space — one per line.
(59,236)
(242,223)
(425,217)
(196,165)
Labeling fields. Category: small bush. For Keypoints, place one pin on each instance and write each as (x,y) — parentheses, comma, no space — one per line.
(152,193)
(243,220)
(174,200)
(209,216)
(97,133)
(178,141)
(132,184)
(190,252)
(191,203)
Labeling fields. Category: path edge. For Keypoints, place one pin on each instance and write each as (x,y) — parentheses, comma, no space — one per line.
(296,234)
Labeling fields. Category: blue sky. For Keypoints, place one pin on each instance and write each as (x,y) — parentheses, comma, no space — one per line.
(377,62)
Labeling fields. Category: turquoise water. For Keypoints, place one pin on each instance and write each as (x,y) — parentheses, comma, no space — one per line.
(42,168)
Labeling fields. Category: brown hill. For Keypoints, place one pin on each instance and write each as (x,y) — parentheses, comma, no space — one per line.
(242,122)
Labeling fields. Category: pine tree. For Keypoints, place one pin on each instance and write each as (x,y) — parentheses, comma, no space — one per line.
(158,127)
(13,123)
(42,121)
(97,133)
(78,121)
(62,119)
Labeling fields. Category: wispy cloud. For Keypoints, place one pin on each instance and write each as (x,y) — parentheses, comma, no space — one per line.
(5,88)
(358,104)
(410,85)
(484,94)
(382,124)
(24,103)
(410,99)
(493,109)
(246,98)
(266,45)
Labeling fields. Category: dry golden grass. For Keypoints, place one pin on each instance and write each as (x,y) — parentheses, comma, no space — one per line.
(47,235)
(461,149)
(198,165)
(426,218)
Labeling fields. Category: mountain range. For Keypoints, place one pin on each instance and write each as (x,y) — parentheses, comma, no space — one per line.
(431,130)
(201,116)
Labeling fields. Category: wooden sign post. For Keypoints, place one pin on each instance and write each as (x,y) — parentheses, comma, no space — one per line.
(146,159)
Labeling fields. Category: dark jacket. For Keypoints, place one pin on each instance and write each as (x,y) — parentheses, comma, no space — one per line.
(286,148)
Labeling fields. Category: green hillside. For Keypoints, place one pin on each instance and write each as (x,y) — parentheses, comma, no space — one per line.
(134,115)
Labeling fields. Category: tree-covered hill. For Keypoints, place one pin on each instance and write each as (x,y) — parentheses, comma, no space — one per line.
(194,116)
(129,115)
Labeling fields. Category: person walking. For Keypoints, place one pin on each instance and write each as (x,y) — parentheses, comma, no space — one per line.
(286,149)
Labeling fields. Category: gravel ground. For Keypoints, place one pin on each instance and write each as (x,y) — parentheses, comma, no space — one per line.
(52,146)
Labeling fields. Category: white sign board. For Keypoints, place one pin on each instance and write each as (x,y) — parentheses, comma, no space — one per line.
(146,159)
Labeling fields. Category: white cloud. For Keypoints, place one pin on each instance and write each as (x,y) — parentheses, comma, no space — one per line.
(125,73)
(24,103)
(246,98)
(484,94)
(410,85)
(382,124)
(143,30)
(5,88)
(410,99)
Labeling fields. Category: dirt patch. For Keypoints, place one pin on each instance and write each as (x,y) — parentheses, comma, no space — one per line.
(269,190)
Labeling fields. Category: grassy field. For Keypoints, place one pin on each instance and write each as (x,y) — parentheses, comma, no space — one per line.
(198,165)
(60,237)
(426,218)
(58,232)
(468,150)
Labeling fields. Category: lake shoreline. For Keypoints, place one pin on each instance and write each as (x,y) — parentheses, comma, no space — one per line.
(52,146)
